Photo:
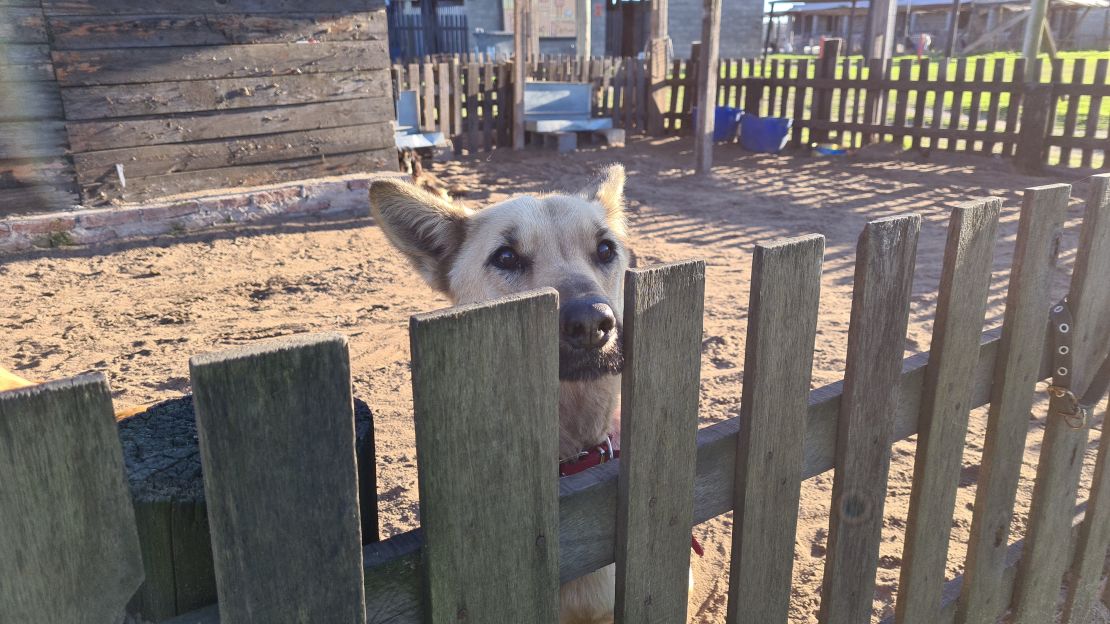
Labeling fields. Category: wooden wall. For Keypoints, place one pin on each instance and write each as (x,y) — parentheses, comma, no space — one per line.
(187,95)
(35,173)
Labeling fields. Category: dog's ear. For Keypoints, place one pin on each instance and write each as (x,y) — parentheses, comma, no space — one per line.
(609,192)
(427,229)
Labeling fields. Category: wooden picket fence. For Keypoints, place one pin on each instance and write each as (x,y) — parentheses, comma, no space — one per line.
(500,531)
(980,106)
(469,97)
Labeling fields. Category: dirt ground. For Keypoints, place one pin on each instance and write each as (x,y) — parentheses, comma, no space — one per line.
(138,310)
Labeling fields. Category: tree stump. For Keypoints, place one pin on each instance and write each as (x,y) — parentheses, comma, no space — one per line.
(163,466)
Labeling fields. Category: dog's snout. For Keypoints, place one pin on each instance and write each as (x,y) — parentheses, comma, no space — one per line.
(587,323)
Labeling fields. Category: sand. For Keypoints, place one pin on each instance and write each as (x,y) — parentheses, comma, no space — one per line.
(138,310)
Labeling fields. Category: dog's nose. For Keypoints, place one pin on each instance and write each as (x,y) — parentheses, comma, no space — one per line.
(586,323)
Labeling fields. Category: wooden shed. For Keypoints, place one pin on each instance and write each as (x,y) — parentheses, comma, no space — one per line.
(130,100)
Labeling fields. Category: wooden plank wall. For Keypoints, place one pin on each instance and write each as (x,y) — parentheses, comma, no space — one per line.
(35,173)
(185,96)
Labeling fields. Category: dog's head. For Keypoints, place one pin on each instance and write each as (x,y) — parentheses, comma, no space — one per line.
(574,243)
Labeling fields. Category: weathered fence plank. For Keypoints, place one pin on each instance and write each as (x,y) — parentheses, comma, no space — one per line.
(275,424)
(587,509)
(659,396)
(69,550)
(470,387)
(1094,533)
(1093,540)
(130,65)
(782,326)
(965,279)
(1044,562)
(876,335)
(1016,373)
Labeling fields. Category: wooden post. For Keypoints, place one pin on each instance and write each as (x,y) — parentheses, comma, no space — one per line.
(1035,116)
(69,551)
(953,29)
(582,25)
(519,68)
(878,40)
(286,402)
(463,397)
(659,391)
(707,85)
(1031,47)
(822,101)
(658,59)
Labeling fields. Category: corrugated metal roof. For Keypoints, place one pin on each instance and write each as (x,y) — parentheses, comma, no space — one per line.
(839,5)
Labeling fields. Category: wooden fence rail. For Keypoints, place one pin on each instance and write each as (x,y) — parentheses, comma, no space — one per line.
(277,444)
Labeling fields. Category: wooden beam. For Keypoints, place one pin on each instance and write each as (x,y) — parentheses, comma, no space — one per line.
(707,85)
(878,41)
(582,26)
(658,60)
(520,69)
(1031,46)
(953,29)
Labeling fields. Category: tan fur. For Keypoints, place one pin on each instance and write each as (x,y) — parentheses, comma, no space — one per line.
(450,246)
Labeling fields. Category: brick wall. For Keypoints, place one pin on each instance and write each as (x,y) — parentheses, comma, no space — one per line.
(741,27)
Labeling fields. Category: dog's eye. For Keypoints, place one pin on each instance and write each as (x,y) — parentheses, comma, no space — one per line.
(507,259)
(606,251)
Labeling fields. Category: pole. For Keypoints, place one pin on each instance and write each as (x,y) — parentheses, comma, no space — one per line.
(851,28)
(582,28)
(953,29)
(519,68)
(707,85)
(658,59)
(879,41)
(1031,47)
(767,39)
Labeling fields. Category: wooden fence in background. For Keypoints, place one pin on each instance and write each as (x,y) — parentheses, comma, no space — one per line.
(469,97)
(277,438)
(979,106)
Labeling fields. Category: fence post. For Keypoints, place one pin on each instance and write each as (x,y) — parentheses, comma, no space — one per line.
(1035,116)
(822,101)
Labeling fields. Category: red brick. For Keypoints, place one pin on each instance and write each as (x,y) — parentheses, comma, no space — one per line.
(279,196)
(43,225)
(228,203)
(109,218)
(361,184)
(170,211)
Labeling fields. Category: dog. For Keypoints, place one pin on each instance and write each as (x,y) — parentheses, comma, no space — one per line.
(576,243)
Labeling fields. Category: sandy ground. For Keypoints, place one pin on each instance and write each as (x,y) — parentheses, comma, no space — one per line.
(138,310)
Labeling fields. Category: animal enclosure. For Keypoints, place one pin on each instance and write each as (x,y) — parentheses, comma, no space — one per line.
(712,471)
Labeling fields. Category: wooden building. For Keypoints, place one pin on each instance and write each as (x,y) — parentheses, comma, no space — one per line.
(105,101)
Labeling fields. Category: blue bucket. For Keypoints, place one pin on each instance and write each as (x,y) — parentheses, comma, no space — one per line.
(764,134)
(726,122)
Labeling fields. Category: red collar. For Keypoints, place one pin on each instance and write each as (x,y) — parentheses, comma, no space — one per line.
(597,455)
(589,458)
